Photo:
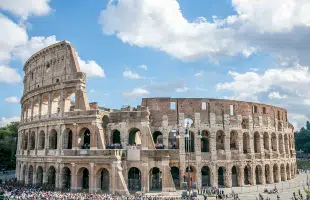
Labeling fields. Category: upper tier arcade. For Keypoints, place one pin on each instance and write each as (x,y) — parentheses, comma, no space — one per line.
(52,82)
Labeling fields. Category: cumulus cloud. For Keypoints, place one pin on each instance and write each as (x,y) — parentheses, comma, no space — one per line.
(183,89)
(276,95)
(137,92)
(24,8)
(91,68)
(9,75)
(5,121)
(143,67)
(257,26)
(11,36)
(131,75)
(12,99)
(161,25)
(198,74)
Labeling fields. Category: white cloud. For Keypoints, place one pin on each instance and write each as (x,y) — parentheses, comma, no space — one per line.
(26,8)
(198,73)
(160,24)
(248,85)
(276,95)
(12,99)
(23,52)
(183,89)
(137,92)
(257,26)
(143,67)
(298,120)
(9,75)
(11,35)
(91,68)
(4,121)
(131,75)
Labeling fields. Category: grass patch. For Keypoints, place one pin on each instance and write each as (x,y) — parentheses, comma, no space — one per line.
(303,164)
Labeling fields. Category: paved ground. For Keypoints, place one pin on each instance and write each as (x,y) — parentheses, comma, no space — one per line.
(285,189)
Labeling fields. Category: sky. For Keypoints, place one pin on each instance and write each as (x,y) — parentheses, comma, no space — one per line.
(129,49)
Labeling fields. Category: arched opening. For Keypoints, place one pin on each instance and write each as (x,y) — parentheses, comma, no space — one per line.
(84,140)
(29,110)
(67,139)
(274,145)
(286,143)
(276,173)
(233,140)
(205,176)
(283,175)
(158,140)
(234,176)
(279,126)
(116,137)
(220,176)
(220,138)
(32,140)
(41,142)
(288,172)
(175,173)
(246,176)
(25,141)
(104,180)
(190,142)
(30,175)
(55,103)
(190,176)
(267,174)
(70,100)
(256,142)
(155,179)
(83,179)
(51,178)
(24,174)
(266,141)
(36,108)
(39,176)
(204,141)
(134,179)
(44,105)
(281,144)
(258,174)
(66,179)
(53,139)
(134,137)
(173,140)
(246,143)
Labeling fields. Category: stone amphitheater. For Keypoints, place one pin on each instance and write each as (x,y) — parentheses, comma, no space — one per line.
(67,143)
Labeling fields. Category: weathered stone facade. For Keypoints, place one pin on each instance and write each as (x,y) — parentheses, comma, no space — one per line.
(65,141)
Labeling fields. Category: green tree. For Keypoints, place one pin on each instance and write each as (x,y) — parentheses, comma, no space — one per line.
(8,144)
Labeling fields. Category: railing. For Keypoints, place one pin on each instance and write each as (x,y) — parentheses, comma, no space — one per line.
(97,152)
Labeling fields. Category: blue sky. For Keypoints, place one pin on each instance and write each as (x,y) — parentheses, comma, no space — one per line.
(234,49)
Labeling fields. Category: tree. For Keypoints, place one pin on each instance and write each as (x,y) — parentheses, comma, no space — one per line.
(302,139)
(8,144)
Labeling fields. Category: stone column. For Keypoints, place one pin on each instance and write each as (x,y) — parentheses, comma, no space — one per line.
(40,106)
(240,175)
(46,143)
(93,135)
(252,175)
(32,99)
(17,170)
(262,149)
(74,186)
(227,144)
(74,137)
(61,102)
(228,177)
(34,180)
(28,139)
(49,104)
(27,175)
(92,185)
(57,177)
(145,177)
(263,178)
(213,175)
(213,146)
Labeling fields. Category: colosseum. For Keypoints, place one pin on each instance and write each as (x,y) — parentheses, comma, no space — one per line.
(67,143)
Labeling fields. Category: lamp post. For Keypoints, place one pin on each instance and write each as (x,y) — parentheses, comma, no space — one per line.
(188,141)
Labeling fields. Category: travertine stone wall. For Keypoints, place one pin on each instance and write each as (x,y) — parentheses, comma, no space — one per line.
(65,142)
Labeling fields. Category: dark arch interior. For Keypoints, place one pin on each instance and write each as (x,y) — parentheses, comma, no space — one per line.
(86,136)
(221,176)
(132,136)
(104,180)
(155,179)
(116,137)
(205,176)
(175,172)
(134,179)
(85,182)
(246,176)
